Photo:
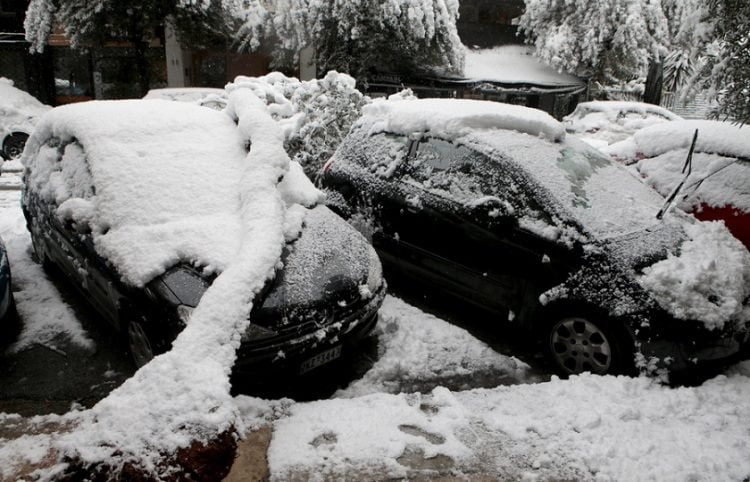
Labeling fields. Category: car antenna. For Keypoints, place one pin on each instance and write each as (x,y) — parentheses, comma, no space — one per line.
(687,167)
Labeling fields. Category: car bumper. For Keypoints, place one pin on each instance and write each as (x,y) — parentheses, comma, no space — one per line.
(686,344)
(255,363)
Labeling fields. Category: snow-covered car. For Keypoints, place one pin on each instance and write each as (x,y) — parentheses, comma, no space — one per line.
(117,196)
(204,96)
(19,113)
(494,204)
(718,186)
(604,122)
(7,304)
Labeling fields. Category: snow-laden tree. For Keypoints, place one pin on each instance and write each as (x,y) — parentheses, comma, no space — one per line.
(609,41)
(357,36)
(726,68)
(91,23)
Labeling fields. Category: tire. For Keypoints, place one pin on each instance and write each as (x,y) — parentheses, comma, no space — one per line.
(14,144)
(584,341)
(139,344)
(40,252)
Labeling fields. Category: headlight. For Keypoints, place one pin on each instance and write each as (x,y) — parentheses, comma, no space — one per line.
(374,273)
(255,333)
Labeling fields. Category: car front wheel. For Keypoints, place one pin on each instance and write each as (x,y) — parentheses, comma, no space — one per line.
(578,344)
(14,144)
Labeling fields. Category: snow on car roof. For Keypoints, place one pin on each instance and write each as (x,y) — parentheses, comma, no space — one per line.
(452,118)
(165,174)
(184,94)
(714,137)
(513,64)
(601,123)
(616,107)
(17,106)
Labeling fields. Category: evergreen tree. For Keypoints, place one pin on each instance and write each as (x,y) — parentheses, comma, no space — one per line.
(726,71)
(609,41)
(357,36)
(90,23)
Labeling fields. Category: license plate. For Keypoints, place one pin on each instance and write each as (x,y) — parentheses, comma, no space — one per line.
(320,359)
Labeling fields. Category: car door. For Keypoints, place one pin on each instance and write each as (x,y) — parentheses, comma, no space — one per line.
(452,224)
(71,232)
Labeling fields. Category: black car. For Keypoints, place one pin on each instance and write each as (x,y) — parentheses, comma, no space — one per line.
(326,291)
(492,204)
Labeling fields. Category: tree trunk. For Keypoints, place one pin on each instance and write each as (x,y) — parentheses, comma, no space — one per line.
(654,81)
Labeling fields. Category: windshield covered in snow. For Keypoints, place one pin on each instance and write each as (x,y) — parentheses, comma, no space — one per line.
(603,197)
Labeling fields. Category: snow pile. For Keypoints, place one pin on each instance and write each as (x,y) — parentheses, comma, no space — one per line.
(183,395)
(513,64)
(417,352)
(314,115)
(584,428)
(708,281)
(19,111)
(612,121)
(48,321)
(453,118)
(186,94)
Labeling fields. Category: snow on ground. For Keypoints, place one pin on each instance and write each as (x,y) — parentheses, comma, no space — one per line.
(585,428)
(47,319)
(417,352)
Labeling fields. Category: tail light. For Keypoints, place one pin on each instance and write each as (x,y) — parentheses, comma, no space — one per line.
(327,166)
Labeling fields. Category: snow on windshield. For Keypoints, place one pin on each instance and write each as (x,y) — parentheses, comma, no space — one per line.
(713,137)
(183,396)
(717,150)
(605,198)
(455,117)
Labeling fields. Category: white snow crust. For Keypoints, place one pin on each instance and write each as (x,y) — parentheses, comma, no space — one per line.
(19,110)
(418,351)
(584,428)
(708,280)
(513,64)
(606,122)
(453,118)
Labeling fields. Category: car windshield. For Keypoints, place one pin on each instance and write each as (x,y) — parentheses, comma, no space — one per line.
(603,197)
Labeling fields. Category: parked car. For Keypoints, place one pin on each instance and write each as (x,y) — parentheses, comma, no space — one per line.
(604,122)
(19,112)
(7,304)
(493,204)
(204,96)
(718,185)
(118,197)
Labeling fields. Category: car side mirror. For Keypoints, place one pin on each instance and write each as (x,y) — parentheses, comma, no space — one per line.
(492,212)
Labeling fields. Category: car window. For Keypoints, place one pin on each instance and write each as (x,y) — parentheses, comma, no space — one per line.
(380,153)
(70,185)
(452,171)
(495,185)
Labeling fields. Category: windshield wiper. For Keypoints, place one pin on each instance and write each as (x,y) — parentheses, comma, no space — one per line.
(687,167)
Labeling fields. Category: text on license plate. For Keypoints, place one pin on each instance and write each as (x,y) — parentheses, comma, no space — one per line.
(320,359)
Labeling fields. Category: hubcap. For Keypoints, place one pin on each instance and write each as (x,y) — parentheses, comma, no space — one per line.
(140,346)
(580,346)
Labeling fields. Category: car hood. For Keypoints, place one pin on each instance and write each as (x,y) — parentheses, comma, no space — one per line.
(329,264)
(694,271)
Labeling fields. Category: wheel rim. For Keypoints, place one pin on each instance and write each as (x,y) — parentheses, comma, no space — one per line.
(140,346)
(578,345)
(14,146)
